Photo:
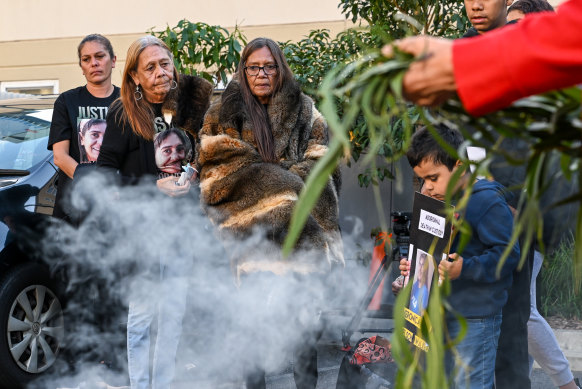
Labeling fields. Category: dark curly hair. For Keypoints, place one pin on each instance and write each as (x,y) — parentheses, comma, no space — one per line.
(423,146)
(530,6)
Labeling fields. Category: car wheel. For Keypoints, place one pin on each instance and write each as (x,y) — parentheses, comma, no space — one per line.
(31,324)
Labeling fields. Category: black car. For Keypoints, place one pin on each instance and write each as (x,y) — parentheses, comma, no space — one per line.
(31,304)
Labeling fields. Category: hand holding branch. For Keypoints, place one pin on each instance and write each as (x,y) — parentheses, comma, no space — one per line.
(430,80)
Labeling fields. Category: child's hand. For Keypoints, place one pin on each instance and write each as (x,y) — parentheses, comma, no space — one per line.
(404,267)
(397,285)
(453,269)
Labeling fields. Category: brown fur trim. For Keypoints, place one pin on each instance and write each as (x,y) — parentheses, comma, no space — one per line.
(210,120)
(244,195)
(255,213)
(190,104)
(315,151)
(211,191)
(221,148)
(280,268)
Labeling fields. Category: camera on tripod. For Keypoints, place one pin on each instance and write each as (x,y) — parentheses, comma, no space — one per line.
(401,231)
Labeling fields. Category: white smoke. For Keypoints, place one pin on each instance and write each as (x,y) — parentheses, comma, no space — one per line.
(227,328)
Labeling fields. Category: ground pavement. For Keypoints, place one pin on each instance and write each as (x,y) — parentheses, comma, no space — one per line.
(330,356)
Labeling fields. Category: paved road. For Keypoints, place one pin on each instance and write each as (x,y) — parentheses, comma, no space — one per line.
(328,377)
(329,359)
(329,356)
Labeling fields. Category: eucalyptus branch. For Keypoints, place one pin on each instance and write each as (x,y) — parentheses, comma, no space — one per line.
(398,7)
(371,86)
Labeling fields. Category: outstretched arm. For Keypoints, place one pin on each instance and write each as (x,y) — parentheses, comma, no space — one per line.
(542,52)
(430,80)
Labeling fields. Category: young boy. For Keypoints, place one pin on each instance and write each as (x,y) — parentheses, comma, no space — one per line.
(486,15)
(477,293)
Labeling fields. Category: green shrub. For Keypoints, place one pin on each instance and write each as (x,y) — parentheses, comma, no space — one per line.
(211,52)
(557,284)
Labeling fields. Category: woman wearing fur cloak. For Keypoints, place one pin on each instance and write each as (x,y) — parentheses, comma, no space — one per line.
(258,144)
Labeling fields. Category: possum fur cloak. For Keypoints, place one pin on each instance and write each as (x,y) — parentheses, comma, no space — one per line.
(245,196)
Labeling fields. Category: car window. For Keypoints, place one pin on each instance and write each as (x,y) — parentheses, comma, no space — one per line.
(24,139)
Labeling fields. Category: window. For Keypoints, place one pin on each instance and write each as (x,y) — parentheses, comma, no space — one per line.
(39,87)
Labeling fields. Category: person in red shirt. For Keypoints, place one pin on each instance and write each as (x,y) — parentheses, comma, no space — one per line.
(543,52)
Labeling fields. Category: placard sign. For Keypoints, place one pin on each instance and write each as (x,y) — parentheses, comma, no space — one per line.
(430,235)
(432,223)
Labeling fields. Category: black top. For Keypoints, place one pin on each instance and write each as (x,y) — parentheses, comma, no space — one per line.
(72,108)
(132,156)
(471,32)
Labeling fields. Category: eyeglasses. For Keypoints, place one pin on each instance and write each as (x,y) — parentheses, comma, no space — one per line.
(267,69)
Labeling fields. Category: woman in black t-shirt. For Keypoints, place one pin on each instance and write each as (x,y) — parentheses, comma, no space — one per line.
(97,60)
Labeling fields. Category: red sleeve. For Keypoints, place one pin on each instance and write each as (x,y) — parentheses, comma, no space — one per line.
(542,52)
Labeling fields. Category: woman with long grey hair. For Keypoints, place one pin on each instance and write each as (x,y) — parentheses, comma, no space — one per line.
(154,99)
(258,143)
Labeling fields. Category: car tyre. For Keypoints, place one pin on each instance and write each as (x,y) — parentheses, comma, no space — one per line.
(31,324)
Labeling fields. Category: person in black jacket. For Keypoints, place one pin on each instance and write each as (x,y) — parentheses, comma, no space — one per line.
(154,99)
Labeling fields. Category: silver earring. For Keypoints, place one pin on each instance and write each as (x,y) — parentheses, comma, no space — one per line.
(137,94)
(174,84)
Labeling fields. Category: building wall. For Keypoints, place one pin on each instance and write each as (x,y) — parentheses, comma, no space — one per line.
(56,59)
(34,19)
(38,39)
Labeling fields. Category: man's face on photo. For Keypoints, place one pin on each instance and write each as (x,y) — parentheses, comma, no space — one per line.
(487,15)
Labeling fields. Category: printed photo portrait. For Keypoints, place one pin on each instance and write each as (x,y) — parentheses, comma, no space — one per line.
(173,150)
(423,272)
(91,133)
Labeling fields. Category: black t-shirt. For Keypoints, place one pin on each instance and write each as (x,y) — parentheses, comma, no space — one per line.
(78,117)
(134,157)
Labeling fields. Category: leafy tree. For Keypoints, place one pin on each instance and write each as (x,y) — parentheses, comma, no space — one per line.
(443,18)
(207,51)
(313,57)
(383,20)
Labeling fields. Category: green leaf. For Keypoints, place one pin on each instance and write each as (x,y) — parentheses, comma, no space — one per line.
(199,44)
(318,178)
